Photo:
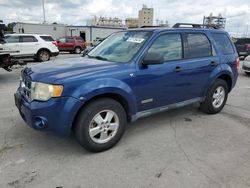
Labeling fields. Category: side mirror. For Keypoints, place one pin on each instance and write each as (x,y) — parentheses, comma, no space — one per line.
(153,58)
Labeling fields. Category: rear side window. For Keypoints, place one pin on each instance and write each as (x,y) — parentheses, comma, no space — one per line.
(70,40)
(223,43)
(27,39)
(169,45)
(197,45)
(79,39)
(47,38)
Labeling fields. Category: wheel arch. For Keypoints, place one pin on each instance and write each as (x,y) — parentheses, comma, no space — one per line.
(115,96)
(77,46)
(43,49)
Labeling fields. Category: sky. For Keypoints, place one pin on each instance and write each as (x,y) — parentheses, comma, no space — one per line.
(77,12)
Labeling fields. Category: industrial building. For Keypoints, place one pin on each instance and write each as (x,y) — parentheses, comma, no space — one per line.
(215,21)
(132,22)
(146,16)
(88,33)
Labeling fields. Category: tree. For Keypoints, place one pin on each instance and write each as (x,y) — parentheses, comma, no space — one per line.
(10,26)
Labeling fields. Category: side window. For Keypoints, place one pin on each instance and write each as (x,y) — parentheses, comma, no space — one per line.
(223,43)
(197,45)
(70,40)
(12,39)
(47,38)
(62,40)
(169,45)
(28,39)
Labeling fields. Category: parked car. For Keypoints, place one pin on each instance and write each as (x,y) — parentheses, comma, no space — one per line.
(246,65)
(93,45)
(243,46)
(71,44)
(130,75)
(97,41)
(38,46)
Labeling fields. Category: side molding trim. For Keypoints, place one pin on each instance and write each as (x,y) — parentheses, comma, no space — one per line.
(152,111)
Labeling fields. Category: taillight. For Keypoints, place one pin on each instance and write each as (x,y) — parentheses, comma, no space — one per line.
(55,43)
(238,63)
(246,46)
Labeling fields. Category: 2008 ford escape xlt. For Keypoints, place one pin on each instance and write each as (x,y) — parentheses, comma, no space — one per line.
(131,74)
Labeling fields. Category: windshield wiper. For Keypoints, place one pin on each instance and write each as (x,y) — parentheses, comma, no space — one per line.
(98,57)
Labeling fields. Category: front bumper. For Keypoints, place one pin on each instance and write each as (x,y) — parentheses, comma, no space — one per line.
(55,115)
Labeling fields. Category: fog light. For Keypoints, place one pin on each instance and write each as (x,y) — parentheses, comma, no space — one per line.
(40,123)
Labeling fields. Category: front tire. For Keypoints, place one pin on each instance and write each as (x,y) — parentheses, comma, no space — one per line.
(100,125)
(216,97)
(43,55)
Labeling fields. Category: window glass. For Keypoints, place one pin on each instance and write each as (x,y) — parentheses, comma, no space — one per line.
(121,46)
(71,40)
(12,39)
(47,38)
(28,39)
(79,39)
(197,45)
(62,40)
(223,43)
(169,45)
(243,41)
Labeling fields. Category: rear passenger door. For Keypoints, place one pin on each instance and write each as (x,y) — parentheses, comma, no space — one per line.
(28,45)
(199,62)
(70,42)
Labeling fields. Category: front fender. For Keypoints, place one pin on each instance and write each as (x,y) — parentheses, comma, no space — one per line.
(107,86)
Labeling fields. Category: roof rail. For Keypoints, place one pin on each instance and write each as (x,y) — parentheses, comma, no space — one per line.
(185,25)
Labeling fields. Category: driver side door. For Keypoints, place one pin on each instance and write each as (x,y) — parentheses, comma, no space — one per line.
(161,84)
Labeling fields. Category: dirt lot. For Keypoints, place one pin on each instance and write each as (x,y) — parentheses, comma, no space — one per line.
(179,148)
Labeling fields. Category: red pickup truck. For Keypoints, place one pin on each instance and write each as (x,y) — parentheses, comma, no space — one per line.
(71,44)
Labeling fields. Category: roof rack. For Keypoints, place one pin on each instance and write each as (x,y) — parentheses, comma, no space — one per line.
(185,25)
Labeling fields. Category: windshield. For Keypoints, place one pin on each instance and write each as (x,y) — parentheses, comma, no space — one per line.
(120,47)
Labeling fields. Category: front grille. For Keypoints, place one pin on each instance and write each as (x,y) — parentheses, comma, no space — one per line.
(26,86)
(246,68)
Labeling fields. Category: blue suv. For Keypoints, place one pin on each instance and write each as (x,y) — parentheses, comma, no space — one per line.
(130,75)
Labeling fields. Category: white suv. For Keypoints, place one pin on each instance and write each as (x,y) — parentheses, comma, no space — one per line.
(38,46)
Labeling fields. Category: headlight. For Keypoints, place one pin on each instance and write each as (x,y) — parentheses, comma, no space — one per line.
(44,92)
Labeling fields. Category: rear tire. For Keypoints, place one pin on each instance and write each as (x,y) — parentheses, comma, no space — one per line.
(100,125)
(43,55)
(216,97)
(77,50)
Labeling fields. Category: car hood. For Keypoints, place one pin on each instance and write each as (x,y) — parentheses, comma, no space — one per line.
(58,70)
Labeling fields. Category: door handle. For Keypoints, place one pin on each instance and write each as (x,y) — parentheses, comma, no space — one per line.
(177,69)
(213,63)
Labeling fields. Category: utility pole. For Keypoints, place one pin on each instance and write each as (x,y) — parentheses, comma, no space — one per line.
(44,20)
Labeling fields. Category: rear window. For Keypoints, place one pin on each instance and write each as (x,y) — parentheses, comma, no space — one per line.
(197,46)
(28,39)
(47,38)
(223,43)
